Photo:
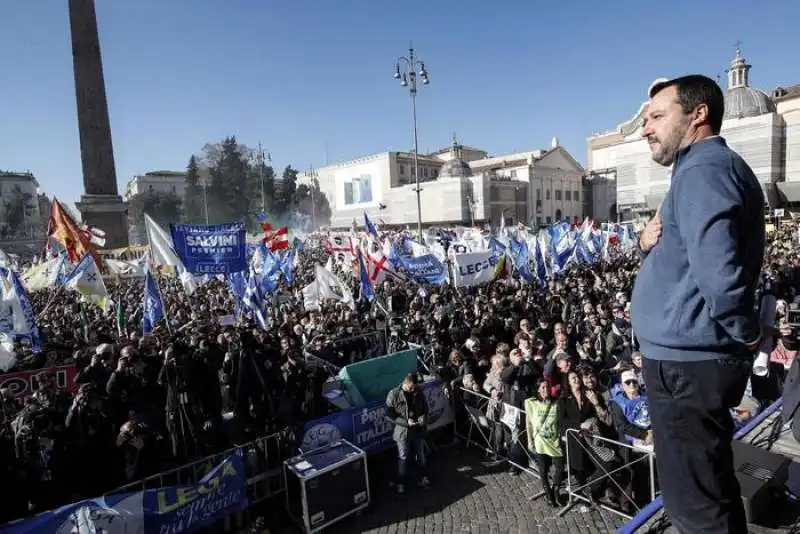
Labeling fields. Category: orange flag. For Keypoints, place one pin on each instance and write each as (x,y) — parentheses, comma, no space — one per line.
(63,228)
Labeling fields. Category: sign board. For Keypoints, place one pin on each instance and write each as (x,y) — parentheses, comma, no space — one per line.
(211,249)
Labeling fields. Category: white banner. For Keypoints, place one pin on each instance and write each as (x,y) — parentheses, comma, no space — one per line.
(474,268)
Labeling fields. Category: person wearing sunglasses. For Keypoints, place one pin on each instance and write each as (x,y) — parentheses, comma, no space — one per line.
(630,409)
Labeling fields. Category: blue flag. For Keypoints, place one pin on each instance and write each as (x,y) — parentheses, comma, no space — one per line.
(366,286)
(153,307)
(369,226)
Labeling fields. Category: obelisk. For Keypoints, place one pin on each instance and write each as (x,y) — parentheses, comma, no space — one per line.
(100,205)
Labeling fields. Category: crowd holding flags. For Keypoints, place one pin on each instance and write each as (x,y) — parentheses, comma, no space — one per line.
(467,256)
(464,257)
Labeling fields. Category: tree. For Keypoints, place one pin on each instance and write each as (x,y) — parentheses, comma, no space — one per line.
(312,205)
(19,209)
(45,206)
(228,193)
(163,207)
(285,194)
(193,205)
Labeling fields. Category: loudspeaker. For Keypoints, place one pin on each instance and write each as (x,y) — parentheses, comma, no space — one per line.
(326,485)
(760,474)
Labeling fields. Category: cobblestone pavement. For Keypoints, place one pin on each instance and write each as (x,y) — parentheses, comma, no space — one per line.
(467,496)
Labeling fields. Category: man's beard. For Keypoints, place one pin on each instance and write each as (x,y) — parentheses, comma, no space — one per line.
(664,155)
(667,148)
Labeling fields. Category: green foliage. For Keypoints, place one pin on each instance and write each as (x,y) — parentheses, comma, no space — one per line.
(45,206)
(193,206)
(227,194)
(313,204)
(163,207)
(285,201)
(242,183)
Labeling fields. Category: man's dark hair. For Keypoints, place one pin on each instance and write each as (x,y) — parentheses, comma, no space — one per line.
(693,90)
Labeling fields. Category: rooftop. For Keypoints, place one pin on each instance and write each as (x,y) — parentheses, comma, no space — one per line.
(170,174)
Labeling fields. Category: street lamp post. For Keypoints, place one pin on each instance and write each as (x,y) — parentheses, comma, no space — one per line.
(312,175)
(205,199)
(412,67)
(261,159)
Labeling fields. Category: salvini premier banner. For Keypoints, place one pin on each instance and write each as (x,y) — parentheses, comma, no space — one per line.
(211,249)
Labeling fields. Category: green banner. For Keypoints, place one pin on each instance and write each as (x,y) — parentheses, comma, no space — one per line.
(373,379)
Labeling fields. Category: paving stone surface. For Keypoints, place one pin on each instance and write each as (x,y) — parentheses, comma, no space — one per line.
(467,495)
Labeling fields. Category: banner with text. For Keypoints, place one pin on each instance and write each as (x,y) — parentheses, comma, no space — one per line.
(475,268)
(165,510)
(368,427)
(426,269)
(24,383)
(214,249)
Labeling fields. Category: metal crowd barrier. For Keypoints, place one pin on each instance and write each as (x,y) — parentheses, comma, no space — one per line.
(582,492)
(478,430)
(263,460)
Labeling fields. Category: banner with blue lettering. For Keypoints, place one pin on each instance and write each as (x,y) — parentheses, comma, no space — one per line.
(426,269)
(475,268)
(166,510)
(212,249)
(368,428)
(219,493)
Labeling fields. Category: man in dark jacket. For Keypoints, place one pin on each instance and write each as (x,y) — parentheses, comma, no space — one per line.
(693,305)
(407,408)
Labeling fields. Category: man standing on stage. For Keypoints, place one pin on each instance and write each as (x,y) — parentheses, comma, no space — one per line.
(407,407)
(693,306)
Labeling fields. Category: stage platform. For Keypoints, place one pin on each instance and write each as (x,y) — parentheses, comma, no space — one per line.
(767,431)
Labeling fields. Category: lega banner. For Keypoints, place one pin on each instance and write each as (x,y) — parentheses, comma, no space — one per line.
(166,510)
(211,249)
(475,268)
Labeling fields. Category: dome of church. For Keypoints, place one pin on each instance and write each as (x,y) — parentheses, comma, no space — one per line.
(741,100)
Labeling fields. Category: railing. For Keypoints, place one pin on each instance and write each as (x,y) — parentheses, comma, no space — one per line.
(608,470)
(263,460)
(475,428)
(482,431)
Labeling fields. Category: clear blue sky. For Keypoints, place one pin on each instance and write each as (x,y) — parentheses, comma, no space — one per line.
(314,77)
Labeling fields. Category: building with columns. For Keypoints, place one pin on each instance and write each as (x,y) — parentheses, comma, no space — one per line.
(763,127)
(459,186)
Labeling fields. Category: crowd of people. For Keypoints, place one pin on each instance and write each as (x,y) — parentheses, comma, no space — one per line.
(564,355)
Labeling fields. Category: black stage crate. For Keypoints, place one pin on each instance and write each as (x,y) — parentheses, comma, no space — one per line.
(326,485)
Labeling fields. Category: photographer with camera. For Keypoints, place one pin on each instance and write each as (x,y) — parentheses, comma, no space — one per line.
(182,421)
(243,373)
